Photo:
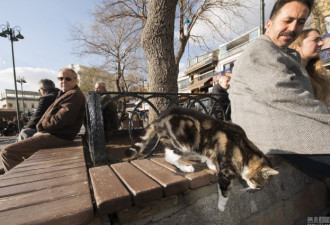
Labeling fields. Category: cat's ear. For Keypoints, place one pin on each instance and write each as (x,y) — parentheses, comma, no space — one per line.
(267,171)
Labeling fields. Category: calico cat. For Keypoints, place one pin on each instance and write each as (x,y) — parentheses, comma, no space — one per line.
(222,145)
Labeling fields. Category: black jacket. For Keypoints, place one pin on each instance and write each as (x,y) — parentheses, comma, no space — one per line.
(43,104)
(223,100)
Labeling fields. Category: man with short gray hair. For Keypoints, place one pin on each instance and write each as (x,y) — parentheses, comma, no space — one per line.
(48,95)
(222,107)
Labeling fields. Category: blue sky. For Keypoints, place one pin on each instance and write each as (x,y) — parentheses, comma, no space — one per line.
(46,47)
(45,25)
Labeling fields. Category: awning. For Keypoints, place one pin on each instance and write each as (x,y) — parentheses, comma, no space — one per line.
(223,71)
(200,83)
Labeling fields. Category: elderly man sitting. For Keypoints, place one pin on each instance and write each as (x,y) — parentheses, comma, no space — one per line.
(48,95)
(57,127)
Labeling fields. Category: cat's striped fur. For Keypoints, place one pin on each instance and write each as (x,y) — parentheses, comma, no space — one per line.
(222,145)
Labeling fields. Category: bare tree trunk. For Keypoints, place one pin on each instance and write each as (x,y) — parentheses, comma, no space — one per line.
(157,42)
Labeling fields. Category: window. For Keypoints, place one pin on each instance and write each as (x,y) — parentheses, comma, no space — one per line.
(183,84)
(227,66)
(253,35)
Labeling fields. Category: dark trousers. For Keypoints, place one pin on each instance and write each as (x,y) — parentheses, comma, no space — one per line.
(16,153)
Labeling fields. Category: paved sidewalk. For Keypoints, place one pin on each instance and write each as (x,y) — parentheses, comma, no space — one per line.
(5,140)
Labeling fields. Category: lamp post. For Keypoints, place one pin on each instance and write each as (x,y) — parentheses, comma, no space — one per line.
(262,16)
(143,80)
(21,80)
(10,33)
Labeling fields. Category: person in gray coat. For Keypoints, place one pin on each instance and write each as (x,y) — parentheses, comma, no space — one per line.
(272,97)
(48,95)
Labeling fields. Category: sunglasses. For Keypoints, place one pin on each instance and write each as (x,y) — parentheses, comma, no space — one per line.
(64,78)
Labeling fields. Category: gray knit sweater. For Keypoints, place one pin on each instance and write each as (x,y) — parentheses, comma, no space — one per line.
(272,99)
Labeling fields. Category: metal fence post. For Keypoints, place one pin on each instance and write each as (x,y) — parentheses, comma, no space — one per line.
(96,140)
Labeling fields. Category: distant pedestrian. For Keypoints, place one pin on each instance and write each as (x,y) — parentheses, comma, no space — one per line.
(109,110)
(222,106)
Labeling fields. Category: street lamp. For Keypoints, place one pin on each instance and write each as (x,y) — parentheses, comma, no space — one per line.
(262,16)
(143,80)
(21,80)
(12,36)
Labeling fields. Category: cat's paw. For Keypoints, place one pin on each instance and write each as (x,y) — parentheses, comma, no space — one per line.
(222,203)
(211,166)
(187,169)
(221,208)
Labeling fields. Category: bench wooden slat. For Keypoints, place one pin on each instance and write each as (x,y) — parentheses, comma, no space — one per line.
(72,210)
(50,187)
(44,166)
(42,196)
(49,152)
(41,170)
(202,175)
(43,176)
(171,182)
(38,185)
(143,188)
(39,158)
(109,193)
(51,162)
(196,179)
(161,161)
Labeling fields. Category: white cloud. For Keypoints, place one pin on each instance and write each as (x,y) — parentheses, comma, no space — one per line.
(31,76)
(2,62)
(182,66)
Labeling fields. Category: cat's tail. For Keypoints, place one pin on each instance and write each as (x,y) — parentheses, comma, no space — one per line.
(139,147)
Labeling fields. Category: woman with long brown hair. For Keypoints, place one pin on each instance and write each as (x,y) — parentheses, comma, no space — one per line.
(309,44)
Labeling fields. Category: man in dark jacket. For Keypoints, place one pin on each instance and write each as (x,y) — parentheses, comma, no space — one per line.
(222,106)
(109,110)
(48,95)
(58,126)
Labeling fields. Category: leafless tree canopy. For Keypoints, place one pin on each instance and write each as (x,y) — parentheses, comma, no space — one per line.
(116,41)
(215,14)
(116,33)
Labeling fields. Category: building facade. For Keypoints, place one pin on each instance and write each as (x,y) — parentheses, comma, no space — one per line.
(30,99)
(202,71)
(198,75)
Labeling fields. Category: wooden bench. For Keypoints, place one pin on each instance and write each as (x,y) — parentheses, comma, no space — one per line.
(122,185)
(50,187)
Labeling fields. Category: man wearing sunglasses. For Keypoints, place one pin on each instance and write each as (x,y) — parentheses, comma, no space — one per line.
(58,126)
(48,94)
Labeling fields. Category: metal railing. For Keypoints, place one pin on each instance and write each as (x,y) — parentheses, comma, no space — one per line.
(206,103)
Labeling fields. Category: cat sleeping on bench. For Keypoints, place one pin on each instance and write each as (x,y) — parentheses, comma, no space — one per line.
(223,146)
